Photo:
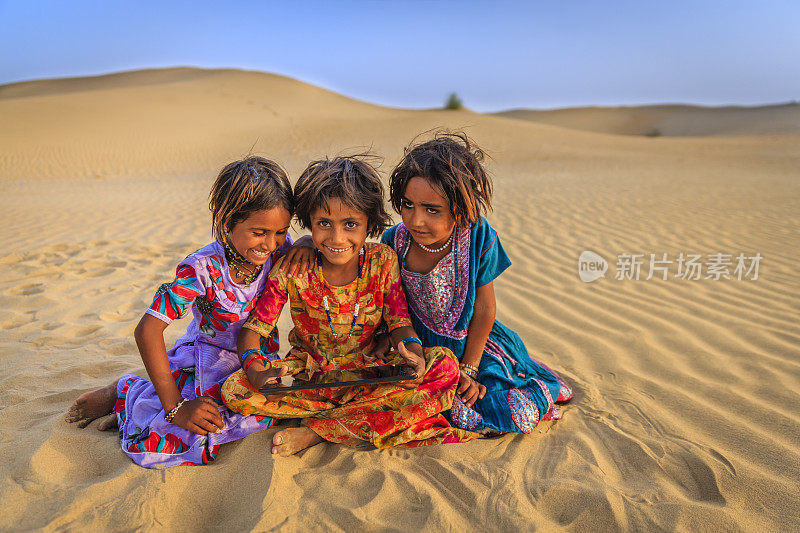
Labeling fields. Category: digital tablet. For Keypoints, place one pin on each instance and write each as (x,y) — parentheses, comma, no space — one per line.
(344,378)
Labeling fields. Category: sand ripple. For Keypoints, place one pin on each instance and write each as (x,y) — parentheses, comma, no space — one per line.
(686,392)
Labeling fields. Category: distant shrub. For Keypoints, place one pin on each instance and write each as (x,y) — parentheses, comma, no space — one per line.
(655,132)
(453,102)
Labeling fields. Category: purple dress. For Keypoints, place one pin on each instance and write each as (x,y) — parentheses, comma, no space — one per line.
(200,361)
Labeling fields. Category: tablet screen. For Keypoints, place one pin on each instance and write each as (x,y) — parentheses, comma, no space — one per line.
(344,378)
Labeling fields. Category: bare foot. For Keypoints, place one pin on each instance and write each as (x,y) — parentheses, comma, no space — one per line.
(93,405)
(291,440)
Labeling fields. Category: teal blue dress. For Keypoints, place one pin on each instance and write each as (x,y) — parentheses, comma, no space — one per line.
(520,391)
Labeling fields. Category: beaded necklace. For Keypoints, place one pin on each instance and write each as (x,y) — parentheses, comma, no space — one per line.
(437,250)
(325,297)
(237,261)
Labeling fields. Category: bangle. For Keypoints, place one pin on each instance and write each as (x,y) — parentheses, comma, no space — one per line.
(248,352)
(412,339)
(264,361)
(468,366)
(468,369)
(471,373)
(174,411)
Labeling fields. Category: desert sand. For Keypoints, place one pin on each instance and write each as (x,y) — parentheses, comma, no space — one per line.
(685,414)
(671,120)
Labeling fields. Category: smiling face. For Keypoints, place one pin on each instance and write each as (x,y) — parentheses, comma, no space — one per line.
(260,234)
(339,233)
(426,213)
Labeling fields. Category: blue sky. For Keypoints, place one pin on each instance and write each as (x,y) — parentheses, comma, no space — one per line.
(495,55)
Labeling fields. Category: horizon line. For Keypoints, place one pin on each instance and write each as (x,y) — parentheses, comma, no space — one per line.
(321,86)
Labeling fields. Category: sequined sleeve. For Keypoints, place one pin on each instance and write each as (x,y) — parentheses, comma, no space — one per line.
(395,307)
(172,300)
(264,316)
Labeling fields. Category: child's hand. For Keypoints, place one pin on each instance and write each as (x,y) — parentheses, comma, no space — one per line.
(199,416)
(414,359)
(300,257)
(469,390)
(271,377)
(382,346)
(262,378)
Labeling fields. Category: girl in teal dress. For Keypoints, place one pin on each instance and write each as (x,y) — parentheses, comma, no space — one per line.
(449,257)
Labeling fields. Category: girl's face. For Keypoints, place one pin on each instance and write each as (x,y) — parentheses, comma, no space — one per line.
(260,234)
(338,233)
(426,213)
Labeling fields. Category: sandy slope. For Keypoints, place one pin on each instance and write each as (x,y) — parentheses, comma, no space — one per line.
(685,414)
(670,120)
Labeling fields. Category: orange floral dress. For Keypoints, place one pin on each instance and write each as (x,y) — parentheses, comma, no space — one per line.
(384,415)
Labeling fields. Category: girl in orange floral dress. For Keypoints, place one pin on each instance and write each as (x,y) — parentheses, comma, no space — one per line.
(336,309)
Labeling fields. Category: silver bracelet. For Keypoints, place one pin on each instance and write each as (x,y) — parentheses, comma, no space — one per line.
(174,411)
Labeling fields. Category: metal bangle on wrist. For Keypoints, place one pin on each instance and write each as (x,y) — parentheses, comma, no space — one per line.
(469,370)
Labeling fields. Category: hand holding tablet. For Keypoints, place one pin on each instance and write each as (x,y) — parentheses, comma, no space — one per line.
(338,378)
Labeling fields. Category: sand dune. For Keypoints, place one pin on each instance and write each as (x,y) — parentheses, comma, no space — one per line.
(670,120)
(685,415)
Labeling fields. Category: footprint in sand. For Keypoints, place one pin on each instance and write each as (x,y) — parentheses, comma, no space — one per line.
(60,461)
(694,476)
(101,272)
(29,289)
(85,331)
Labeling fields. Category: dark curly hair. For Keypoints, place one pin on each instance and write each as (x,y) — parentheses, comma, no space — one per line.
(351,179)
(450,161)
(244,187)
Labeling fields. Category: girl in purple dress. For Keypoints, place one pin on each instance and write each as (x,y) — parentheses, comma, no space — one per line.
(177,417)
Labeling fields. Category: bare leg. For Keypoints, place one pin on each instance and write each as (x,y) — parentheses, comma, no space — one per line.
(93,405)
(291,440)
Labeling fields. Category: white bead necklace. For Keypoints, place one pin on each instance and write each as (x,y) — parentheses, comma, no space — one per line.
(437,250)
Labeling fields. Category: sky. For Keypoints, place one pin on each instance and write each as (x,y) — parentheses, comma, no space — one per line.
(494,55)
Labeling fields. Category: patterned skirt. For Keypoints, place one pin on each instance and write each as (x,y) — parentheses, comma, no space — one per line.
(383,415)
(520,391)
(151,441)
